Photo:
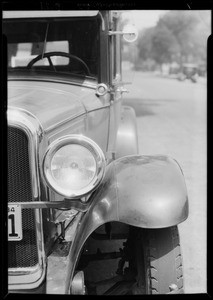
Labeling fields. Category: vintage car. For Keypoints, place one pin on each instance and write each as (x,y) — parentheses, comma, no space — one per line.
(188,71)
(87,213)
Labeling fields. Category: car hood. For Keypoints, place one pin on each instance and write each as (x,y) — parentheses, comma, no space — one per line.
(49,102)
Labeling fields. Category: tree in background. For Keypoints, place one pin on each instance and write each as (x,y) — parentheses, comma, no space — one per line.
(179,36)
(190,32)
(164,44)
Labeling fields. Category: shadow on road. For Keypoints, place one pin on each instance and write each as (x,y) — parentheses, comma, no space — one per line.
(143,107)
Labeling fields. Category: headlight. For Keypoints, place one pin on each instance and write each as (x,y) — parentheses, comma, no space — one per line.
(73,166)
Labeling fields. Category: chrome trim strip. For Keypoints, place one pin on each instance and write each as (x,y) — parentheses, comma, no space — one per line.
(19,271)
(26,278)
(36,279)
(103,27)
(64,122)
(86,83)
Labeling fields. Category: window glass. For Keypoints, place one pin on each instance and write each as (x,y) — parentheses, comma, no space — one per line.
(78,37)
(23,55)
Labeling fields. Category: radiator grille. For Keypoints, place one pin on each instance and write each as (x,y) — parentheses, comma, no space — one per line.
(21,254)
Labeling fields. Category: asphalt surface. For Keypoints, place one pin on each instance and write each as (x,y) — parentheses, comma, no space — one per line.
(171,117)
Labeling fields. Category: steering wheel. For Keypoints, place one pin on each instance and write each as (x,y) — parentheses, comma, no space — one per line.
(58,53)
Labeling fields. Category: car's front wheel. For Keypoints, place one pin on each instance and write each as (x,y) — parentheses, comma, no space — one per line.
(158,261)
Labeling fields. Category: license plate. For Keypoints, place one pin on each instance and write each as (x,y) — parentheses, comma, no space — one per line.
(14,222)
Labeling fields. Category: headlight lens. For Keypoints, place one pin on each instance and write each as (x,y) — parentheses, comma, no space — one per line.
(73,166)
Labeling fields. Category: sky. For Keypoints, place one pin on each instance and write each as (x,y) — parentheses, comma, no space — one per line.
(143,19)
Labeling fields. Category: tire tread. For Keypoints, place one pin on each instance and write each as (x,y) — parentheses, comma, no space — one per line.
(152,261)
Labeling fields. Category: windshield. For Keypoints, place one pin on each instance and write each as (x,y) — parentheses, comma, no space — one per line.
(59,45)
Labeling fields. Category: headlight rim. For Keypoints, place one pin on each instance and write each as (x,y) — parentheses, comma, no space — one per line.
(83,141)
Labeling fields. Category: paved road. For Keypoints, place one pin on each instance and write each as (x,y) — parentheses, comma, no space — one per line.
(171,118)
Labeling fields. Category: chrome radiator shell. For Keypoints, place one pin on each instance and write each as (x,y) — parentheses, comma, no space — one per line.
(27,265)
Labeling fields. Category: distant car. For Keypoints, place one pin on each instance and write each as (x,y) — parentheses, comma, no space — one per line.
(174,68)
(189,71)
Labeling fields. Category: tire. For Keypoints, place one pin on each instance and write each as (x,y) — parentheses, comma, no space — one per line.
(158,261)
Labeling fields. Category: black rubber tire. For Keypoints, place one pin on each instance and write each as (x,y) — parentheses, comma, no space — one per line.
(161,260)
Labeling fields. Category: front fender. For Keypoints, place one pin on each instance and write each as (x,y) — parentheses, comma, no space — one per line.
(143,191)
(151,191)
